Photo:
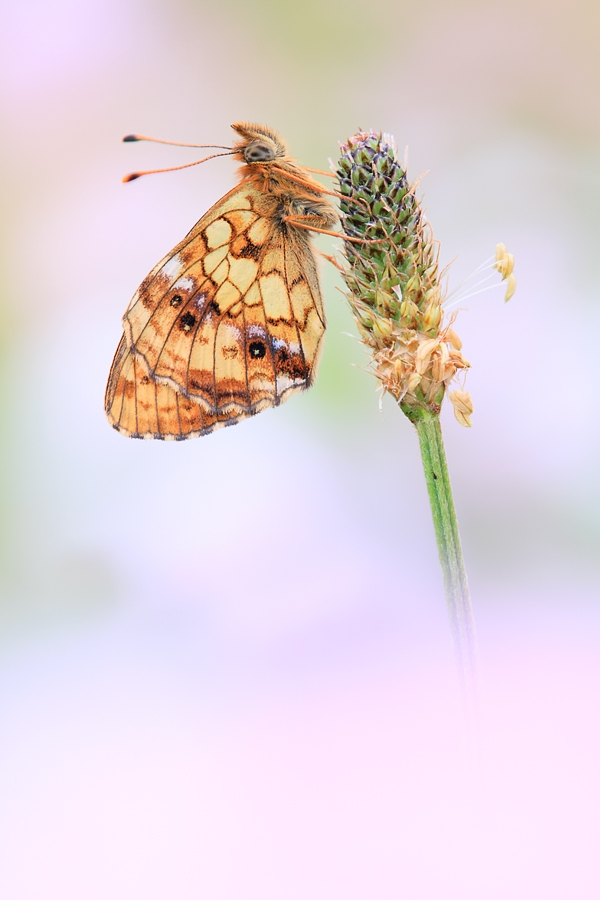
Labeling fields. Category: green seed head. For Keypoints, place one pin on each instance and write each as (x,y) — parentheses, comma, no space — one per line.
(392,277)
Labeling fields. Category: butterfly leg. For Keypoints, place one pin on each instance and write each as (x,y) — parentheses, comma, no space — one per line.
(309,224)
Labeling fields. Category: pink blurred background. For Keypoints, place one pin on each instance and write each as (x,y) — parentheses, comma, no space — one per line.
(226,665)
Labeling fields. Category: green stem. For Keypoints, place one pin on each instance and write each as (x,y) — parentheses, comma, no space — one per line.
(450,551)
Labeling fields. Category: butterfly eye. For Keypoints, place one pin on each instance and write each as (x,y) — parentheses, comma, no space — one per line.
(257,350)
(258,152)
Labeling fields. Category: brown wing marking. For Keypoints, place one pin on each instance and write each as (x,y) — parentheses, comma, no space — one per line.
(138,407)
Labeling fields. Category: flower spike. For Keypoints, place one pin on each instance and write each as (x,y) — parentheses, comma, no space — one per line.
(394,287)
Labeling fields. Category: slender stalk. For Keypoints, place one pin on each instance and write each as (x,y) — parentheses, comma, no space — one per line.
(450,551)
(394,291)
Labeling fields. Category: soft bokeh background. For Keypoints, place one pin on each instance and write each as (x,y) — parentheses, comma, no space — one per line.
(226,665)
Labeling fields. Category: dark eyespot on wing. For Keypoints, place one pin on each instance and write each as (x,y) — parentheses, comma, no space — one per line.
(187,321)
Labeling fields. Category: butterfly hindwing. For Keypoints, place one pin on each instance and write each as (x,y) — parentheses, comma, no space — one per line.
(137,406)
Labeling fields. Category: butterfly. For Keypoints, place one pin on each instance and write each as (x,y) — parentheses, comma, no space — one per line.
(231,321)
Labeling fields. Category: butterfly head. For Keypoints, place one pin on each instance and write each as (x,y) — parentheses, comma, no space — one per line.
(258,144)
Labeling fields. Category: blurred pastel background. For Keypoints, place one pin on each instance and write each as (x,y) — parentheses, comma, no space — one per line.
(226,668)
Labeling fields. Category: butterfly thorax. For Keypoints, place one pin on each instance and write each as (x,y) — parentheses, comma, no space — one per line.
(285,179)
(269,169)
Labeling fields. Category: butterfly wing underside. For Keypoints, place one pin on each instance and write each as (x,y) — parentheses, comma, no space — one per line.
(137,406)
(228,324)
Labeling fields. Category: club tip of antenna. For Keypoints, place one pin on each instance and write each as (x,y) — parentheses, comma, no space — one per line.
(130,137)
(131,177)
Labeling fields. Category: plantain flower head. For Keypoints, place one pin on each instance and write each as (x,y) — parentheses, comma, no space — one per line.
(393,281)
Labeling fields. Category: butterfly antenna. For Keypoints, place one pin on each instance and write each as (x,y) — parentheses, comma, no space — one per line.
(143,137)
(133,175)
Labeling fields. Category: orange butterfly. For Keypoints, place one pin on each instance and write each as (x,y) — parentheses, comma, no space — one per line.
(230,322)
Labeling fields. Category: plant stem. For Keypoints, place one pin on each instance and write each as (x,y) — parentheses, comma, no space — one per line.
(450,551)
